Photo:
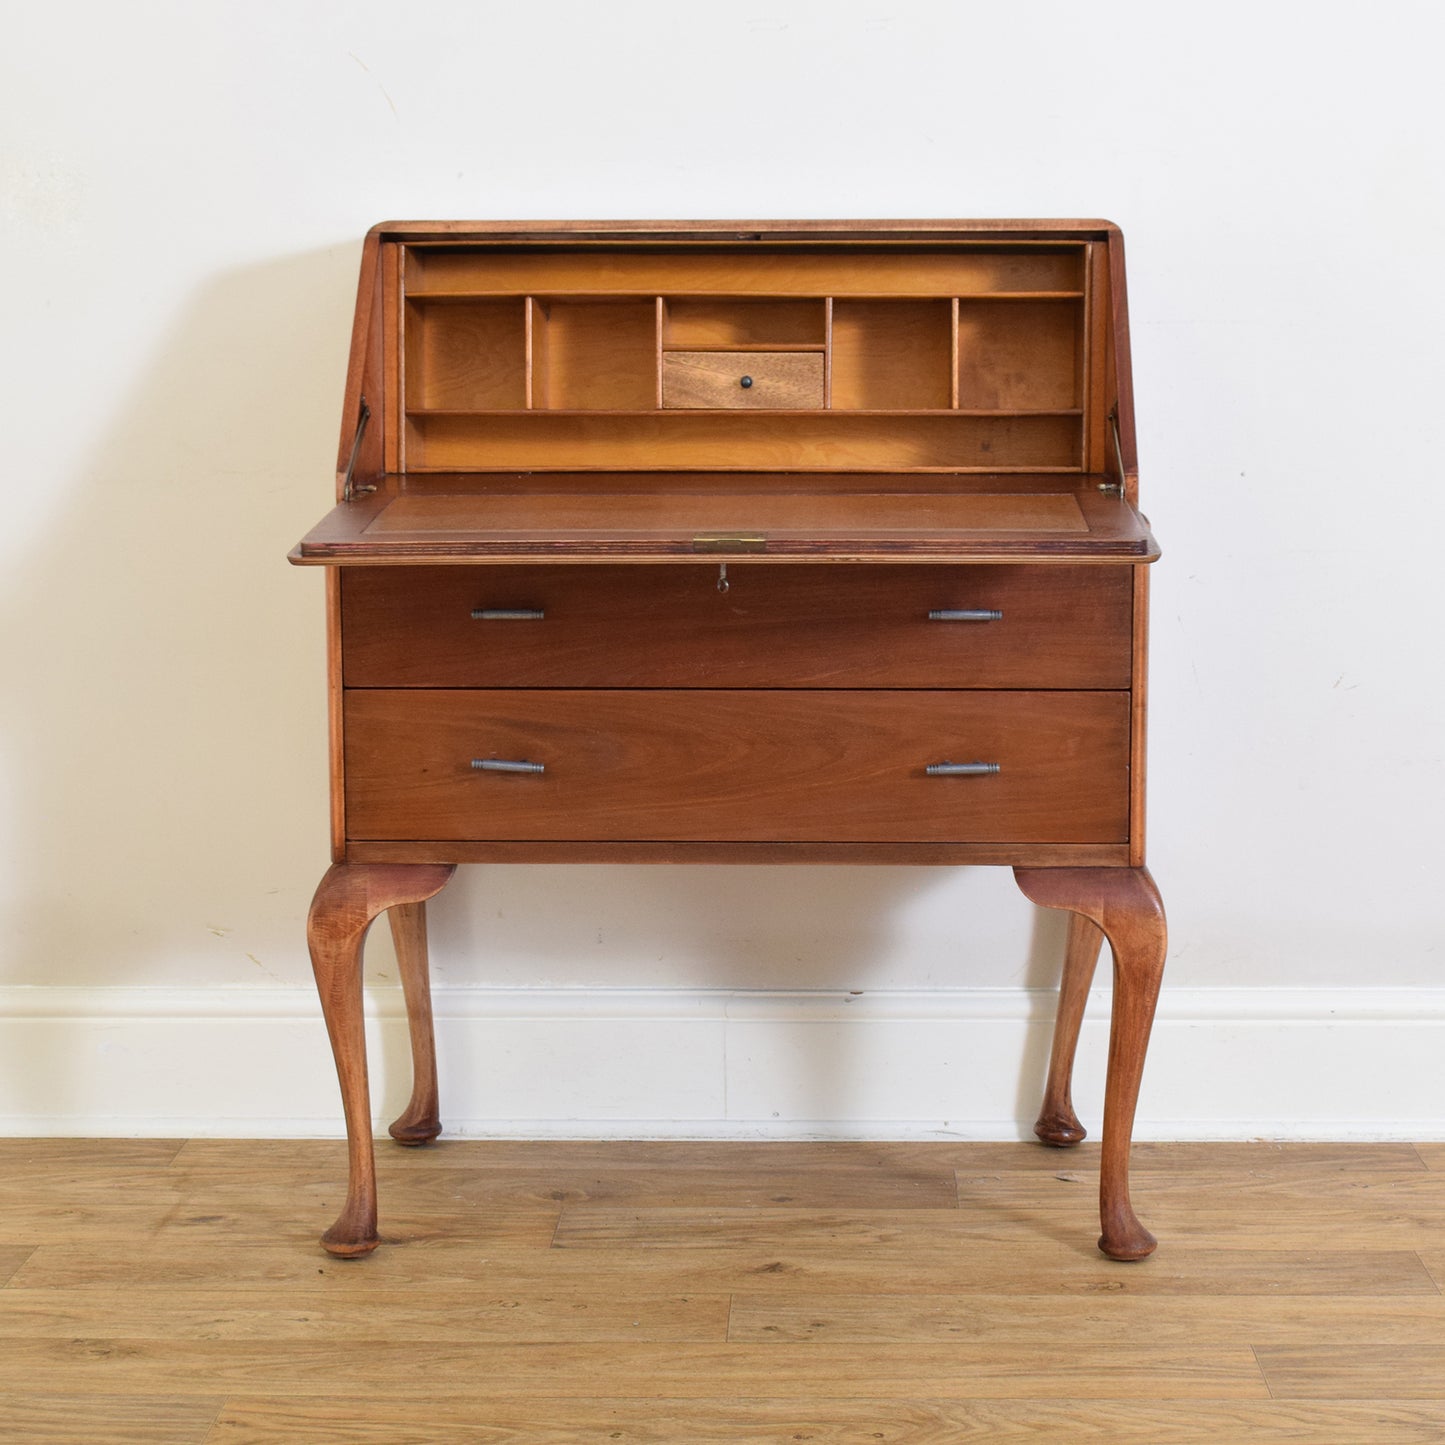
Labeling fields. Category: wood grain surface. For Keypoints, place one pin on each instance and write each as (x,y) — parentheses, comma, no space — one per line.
(672,626)
(603,517)
(737,765)
(776,380)
(915,1294)
(788,270)
(802,441)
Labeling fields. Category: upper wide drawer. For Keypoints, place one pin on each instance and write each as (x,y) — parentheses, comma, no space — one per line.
(774,626)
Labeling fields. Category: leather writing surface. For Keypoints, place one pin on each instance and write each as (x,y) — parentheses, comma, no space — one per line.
(794,513)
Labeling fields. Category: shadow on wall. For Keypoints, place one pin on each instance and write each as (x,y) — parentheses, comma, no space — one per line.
(165,724)
(832,929)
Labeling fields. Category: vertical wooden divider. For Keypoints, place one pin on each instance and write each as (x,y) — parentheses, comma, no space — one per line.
(953,353)
(390,410)
(827,353)
(1096,328)
(1082,352)
(527,352)
(537,397)
(661,321)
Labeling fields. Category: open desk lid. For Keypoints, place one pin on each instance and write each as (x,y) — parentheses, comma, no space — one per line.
(592,519)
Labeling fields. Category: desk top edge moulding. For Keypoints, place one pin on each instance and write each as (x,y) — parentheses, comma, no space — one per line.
(858,498)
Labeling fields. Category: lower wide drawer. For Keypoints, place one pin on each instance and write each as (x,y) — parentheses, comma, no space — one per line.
(737,766)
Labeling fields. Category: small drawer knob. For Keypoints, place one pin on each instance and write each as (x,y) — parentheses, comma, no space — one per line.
(745,382)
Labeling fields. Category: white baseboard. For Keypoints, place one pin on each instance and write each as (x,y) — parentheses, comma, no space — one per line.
(619,1063)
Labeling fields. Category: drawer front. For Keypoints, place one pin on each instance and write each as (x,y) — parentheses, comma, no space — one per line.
(737,766)
(775,626)
(745,380)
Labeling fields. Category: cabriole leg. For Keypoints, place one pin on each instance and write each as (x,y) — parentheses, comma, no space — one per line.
(349,897)
(421,1122)
(1058,1124)
(1125,905)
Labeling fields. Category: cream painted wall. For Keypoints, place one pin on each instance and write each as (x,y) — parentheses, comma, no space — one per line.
(184,189)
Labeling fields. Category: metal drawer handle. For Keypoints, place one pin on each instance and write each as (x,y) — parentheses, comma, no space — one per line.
(507,614)
(965,614)
(960,770)
(506,765)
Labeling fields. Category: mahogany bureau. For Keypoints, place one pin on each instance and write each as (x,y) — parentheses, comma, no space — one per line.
(794,542)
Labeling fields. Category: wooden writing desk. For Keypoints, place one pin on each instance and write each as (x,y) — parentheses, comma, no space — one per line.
(696,542)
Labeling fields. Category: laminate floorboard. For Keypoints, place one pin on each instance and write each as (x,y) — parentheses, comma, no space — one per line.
(731,1421)
(1011,1265)
(107,1419)
(700,1293)
(1434,1261)
(12,1259)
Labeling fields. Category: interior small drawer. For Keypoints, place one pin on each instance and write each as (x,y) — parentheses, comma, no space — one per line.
(1045,767)
(744,380)
(774,626)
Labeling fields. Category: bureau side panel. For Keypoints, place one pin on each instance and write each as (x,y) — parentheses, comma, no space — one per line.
(336,715)
(1121,366)
(364,378)
(1138,716)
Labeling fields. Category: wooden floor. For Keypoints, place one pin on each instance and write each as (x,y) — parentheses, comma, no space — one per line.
(840,1294)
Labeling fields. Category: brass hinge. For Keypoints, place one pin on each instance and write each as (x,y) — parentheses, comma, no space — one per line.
(729,542)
